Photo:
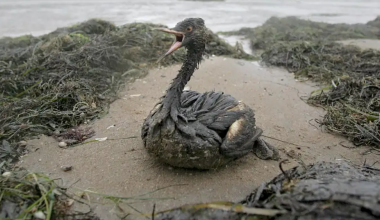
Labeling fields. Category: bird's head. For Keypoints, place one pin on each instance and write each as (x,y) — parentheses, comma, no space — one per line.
(189,33)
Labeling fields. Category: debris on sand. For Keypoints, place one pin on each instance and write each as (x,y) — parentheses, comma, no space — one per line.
(349,75)
(27,195)
(73,135)
(319,191)
(66,168)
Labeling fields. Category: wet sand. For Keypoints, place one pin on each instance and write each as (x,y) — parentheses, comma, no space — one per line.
(122,167)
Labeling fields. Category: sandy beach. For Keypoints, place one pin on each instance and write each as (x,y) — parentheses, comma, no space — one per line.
(67,76)
(120,165)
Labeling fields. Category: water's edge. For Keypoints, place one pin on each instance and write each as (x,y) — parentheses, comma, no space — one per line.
(37,17)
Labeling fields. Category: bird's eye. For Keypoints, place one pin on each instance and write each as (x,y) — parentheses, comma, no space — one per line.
(189,29)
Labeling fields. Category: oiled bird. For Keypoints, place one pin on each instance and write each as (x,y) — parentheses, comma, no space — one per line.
(200,130)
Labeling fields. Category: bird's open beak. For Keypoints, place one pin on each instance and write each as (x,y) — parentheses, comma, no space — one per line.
(179,37)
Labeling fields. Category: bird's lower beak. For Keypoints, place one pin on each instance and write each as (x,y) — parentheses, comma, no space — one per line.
(179,37)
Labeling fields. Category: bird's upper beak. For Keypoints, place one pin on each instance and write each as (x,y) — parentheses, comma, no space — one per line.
(179,37)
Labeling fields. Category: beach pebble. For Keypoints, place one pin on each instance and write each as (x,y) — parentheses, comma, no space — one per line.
(100,96)
(22,143)
(66,168)
(39,215)
(69,202)
(6,174)
(62,144)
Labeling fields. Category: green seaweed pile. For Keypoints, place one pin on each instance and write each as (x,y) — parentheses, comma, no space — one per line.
(317,191)
(289,29)
(350,76)
(68,77)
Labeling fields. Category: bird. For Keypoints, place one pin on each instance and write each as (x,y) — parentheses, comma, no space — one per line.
(188,129)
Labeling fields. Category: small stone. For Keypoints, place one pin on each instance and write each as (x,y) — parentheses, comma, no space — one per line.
(62,144)
(6,174)
(82,115)
(66,168)
(39,160)
(100,96)
(22,143)
(69,202)
(39,215)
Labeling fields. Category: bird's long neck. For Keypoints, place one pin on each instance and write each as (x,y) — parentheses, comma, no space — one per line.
(172,98)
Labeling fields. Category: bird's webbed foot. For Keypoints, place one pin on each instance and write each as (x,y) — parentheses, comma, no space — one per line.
(265,151)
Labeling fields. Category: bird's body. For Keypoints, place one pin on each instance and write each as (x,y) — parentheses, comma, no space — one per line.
(200,130)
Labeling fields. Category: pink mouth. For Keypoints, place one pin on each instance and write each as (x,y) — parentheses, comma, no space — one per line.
(179,37)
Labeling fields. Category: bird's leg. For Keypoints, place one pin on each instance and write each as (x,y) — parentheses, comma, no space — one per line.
(263,149)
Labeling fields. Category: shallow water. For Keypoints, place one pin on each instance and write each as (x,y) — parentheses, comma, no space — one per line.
(38,17)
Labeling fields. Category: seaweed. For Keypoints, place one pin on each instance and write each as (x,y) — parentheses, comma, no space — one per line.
(288,29)
(26,195)
(318,191)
